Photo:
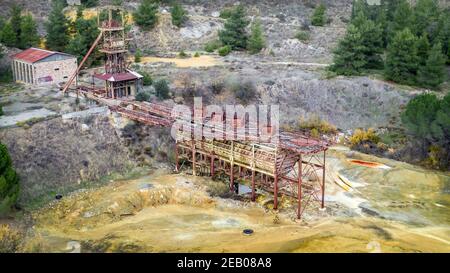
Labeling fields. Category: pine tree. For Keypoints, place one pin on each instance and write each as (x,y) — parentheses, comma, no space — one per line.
(77,46)
(57,28)
(443,35)
(426,14)
(9,182)
(16,22)
(402,18)
(391,7)
(418,118)
(256,41)
(178,15)
(432,74)
(89,3)
(162,89)
(448,51)
(8,35)
(441,127)
(2,23)
(85,33)
(28,36)
(349,57)
(318,17)
(381,19)
(146,15)
(234,33)
(371,39)
(401,58)
(357,7)
(117,2)
(423,46)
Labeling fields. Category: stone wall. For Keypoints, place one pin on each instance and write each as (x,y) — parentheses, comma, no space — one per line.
(60,70)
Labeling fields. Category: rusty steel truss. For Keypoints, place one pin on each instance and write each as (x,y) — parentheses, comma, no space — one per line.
(293,166)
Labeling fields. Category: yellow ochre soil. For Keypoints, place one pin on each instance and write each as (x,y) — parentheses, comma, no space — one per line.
(193,62)
(176,214)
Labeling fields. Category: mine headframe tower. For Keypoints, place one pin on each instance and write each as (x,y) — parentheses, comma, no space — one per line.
(113,41)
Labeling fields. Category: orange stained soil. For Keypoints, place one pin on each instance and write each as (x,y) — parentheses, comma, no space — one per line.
(367,163)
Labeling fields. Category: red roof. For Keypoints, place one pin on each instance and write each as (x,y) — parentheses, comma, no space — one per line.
(33,55)
(118,77)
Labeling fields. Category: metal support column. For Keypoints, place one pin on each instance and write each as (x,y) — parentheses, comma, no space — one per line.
(253,186)
(275,191)
(299,190)
(212,165)
(232,177)
(194,171)
(323,180)
(177,166)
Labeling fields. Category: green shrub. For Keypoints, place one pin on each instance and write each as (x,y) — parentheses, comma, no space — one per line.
(142,96)
(217,86)
(162,89)
(212,46)
(256,42)
(303,36)
(138,56)
(9,182)
(178,15)
(196,55)
(1,110)
(89,3)
(6,75)
(183,54)
(147,79)
(225,50)
(244,91)
(319,16)
(226,13)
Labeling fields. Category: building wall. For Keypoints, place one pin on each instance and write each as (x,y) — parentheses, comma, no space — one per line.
(48,71)
(22,71)
(54,71)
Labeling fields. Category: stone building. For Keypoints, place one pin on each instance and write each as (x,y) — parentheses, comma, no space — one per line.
(38,66)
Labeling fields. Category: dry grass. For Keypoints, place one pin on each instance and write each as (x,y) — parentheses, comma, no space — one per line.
(91,13)
(363,136)
(317,125)
(10,239)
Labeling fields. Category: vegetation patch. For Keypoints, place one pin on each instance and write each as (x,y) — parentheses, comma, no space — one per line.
(10,239)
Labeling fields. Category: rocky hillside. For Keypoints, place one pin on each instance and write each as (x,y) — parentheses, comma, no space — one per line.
(281,20)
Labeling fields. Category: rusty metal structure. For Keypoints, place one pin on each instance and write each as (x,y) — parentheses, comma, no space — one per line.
(118,80)
(293,167)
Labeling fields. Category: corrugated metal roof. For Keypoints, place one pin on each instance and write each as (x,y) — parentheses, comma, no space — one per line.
(33,55)
(117,77)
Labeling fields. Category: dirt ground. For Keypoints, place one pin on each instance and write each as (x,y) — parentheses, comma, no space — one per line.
(191,62)
(175,213)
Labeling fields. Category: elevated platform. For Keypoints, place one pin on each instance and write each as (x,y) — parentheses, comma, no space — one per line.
(294,167)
